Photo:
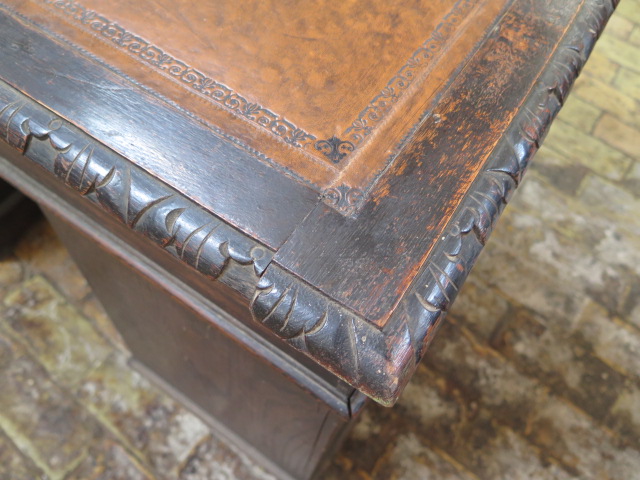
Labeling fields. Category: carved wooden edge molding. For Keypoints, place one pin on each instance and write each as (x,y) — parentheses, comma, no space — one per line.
(379,362)
(376,361)
(127,192)
(157,58)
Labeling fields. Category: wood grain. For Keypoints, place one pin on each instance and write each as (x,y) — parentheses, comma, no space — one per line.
(203,164)
(379,360)
(362,295)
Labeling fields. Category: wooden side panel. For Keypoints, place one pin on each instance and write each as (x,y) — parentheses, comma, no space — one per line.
(276,417)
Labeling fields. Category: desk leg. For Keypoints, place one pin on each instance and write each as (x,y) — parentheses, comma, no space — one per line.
(245,399)
(17,213)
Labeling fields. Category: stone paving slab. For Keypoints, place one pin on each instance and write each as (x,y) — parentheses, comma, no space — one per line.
(53,331)
(14,465)
(45,422)
(536,374)
(155,427)
(107,460)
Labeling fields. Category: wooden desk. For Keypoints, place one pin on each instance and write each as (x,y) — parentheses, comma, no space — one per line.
(278,204)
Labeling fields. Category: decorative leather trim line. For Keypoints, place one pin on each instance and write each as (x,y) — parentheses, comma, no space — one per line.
(376,361)
(177,69)
(255,153)
(333,148)
(127,192)
(379,362)
(374,113)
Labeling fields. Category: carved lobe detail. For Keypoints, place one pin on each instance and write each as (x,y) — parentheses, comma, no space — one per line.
(379,361)
(352,348)
(141,202)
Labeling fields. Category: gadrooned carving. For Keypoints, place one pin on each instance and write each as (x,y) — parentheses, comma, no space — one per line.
(379,361)
(138,200)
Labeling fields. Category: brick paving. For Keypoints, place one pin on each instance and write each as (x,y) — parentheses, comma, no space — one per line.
(536,374)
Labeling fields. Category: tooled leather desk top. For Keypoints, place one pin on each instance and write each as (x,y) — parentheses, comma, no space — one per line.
(355,153)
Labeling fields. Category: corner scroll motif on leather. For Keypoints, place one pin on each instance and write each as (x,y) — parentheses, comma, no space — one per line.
(334,148)
(343,198)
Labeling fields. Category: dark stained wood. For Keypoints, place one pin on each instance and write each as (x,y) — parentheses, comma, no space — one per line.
(367,263)
(165,334)
(379,361)
(347,245)
(230,292)
(154,135)
(199,353)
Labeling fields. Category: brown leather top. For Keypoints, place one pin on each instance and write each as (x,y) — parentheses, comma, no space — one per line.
(326,89)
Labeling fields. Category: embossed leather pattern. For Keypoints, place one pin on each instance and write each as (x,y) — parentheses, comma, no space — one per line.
(310,112)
